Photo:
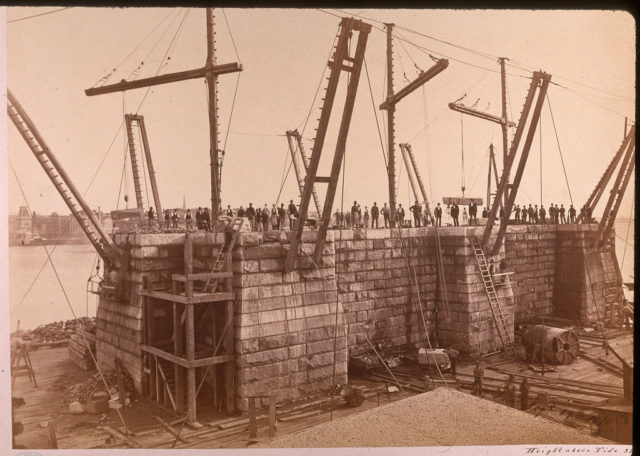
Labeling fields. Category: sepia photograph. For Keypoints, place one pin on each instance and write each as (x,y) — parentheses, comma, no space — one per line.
(357,230)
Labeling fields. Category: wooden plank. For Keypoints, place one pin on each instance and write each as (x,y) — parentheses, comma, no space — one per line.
(201,276)
(299,415)
(177,349)
(253,424)
(190,332)
(121,436)
(197,299)
(219,359)
(272,416)
(169,429)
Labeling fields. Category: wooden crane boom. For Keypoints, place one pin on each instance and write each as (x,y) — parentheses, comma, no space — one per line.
(79,208)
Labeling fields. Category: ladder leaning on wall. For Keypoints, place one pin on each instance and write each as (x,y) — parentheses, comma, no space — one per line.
(499,318)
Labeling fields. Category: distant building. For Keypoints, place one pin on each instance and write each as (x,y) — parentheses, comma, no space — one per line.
(25,229)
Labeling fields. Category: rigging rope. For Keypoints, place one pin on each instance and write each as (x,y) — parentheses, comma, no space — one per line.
(231,35)
(38,15)
(375,114)
(64,292)
(105,78)
(559,148)
(462,152)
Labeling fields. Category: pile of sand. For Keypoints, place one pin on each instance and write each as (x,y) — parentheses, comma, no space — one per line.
(443,417)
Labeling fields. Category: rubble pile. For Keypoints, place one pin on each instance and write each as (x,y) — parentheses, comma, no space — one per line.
(58,331)
(80,392)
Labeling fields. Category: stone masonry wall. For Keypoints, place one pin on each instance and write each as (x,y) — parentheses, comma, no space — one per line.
(586,280)
(376,288)
(120,325)
(285,323)
(530,252)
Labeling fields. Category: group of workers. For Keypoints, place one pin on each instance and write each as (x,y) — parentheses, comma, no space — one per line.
(276,217)
(509,389)
(556,215)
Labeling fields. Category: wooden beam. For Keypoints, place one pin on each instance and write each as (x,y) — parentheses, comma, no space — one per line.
(201,362)
(424,77)
(169,429)
(197,299)
(190,332)
(201,276)
(124,85)
(482,115)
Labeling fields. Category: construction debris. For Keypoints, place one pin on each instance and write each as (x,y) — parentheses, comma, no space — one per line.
(82,391)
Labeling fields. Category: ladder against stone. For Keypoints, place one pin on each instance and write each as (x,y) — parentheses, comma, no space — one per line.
(499,318)
(235,224)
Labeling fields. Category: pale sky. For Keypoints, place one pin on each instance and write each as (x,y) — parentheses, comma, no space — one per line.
(52,58)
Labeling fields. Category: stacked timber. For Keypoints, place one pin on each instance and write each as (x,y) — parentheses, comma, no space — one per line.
(79,346)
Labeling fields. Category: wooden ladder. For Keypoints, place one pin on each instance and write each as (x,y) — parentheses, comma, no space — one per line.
(498,317)
(218,265)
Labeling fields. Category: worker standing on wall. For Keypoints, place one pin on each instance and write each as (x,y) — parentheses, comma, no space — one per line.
(385,214)
(478,377)
(524,394)
(151,216)
(400,215)
(455,212)
(473,212)
(293,214)
(416,210)
(187,219)
(375,213)
(438,213)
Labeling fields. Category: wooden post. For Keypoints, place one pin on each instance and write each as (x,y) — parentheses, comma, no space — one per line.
(190,331)
(391,160)
(272,416)
(178,310)
(227,344)
(253,425)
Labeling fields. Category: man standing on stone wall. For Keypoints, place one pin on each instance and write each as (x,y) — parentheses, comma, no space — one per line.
(572,214)
(417,216)
(563,220)
(400,215)
(251,215)
(473,212)
(438,213)
(455,212)
(282,215)
(293,214)
(385,214)
(517,211)
(375,213)
(543,215)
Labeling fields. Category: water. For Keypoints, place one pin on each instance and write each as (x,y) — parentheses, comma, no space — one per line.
(45,302)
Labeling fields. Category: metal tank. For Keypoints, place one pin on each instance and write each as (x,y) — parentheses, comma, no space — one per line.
(560,346)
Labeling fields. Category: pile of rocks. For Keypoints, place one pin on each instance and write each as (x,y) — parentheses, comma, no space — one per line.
(58,331)
(80,392)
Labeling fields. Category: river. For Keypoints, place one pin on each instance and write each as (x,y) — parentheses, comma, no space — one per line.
(46,302)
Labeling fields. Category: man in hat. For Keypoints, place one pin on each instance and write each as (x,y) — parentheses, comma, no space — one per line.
(478,378)
(417,214)
(293,214)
